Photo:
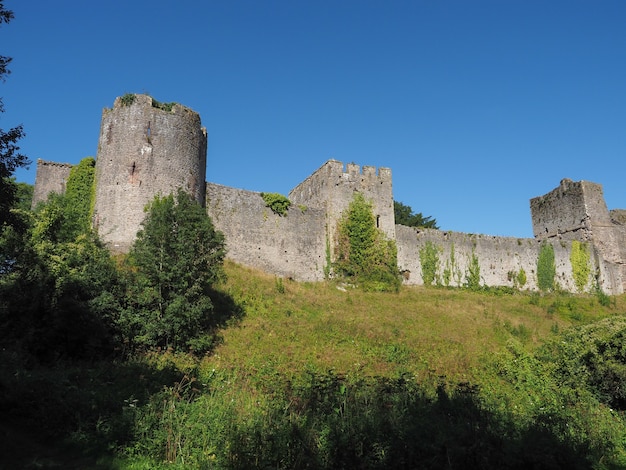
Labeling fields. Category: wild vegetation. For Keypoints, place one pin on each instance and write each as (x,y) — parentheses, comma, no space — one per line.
(278,203)
(309,376)
(169,358)
(364,255)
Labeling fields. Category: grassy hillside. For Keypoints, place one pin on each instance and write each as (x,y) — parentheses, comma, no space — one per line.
(289,326)
(323,375)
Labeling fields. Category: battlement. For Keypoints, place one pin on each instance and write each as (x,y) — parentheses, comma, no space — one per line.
(45,163)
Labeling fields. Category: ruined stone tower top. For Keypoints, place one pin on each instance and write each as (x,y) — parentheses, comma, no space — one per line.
(51,177)
(145,148)
(571,211)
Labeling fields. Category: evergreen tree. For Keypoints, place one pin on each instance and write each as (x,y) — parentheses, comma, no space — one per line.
(404,216)
(363,253)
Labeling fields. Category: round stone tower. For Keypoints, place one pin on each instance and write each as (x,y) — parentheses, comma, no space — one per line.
(145,148)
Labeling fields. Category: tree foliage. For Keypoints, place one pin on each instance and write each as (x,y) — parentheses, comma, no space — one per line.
(60,287)
(593,357)
(363,253)
(404,216)
(10,157)
(176,259)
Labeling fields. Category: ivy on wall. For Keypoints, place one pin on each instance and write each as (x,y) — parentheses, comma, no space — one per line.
(581,268)
(472,276)
(546,267)
(429,260)
(518,278)
(80,195)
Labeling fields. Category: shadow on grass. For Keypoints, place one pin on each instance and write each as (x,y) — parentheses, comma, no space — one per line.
(75,417)
(382,423)
(72,413)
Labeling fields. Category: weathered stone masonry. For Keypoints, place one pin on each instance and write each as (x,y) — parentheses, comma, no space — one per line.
(144,151)
(50,178)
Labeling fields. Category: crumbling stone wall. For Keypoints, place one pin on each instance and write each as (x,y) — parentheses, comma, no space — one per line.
(291,246)
(144,151)
(51,177)
(576,210)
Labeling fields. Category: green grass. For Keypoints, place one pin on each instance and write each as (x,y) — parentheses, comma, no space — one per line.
(311,370)
(441,332)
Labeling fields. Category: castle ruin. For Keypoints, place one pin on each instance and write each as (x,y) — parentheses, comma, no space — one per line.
(145,150)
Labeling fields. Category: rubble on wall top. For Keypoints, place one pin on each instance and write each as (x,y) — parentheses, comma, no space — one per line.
(49,163)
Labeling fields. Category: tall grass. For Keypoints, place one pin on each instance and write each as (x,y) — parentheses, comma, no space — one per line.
(307,375)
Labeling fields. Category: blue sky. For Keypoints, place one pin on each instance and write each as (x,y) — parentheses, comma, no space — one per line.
(476,105)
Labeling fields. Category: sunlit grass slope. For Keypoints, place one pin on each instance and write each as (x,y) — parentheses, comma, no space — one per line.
(288,327)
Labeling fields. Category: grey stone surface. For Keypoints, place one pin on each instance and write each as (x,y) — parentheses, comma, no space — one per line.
(144,151)
(51,177)
(293,245)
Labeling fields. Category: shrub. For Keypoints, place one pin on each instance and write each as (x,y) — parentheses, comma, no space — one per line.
(128,99)
(277,202)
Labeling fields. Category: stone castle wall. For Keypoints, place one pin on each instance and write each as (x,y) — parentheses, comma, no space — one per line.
(500,259)
(292,246)
(144,151)
(51,177)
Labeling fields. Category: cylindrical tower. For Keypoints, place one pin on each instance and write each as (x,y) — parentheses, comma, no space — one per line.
(145,148)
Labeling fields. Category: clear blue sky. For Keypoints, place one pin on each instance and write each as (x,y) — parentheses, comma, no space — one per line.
(476,106)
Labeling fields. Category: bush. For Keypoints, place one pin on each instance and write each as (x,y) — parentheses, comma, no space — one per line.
(277,202)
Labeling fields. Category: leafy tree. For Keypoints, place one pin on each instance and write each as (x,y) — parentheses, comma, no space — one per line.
(59,293)
(363,252)
(404,216)
(60,287)
(177,257)
(24,196)
(10,158)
